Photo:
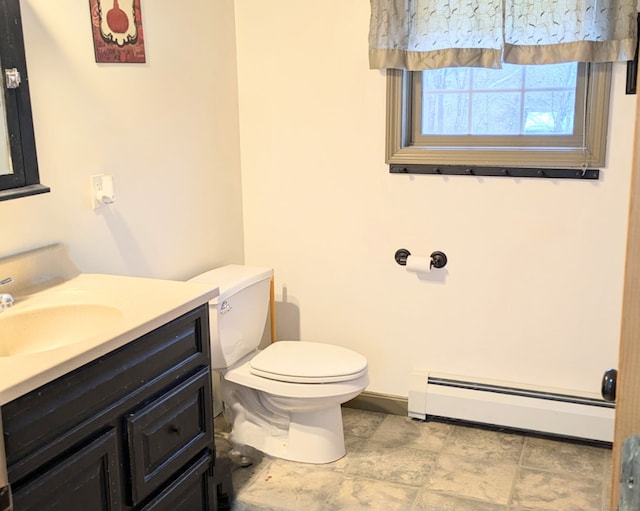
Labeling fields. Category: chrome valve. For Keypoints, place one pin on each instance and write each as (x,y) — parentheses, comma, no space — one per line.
(6,300)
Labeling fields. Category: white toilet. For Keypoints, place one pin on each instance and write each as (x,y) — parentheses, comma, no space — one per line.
(283,400)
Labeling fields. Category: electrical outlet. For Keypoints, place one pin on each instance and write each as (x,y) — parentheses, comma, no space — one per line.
(96,189)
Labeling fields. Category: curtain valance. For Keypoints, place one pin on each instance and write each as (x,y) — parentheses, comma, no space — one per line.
(429,34)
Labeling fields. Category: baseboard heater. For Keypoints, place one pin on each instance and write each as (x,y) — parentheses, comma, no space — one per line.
(513,405)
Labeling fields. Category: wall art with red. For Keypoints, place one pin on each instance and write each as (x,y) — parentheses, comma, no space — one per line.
(117,30)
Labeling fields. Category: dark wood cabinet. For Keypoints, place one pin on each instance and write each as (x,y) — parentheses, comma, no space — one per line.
(87,475)
(168,433)
(192,490)
(132,430)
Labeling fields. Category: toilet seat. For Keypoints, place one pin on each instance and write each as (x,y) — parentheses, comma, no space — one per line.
(308,362)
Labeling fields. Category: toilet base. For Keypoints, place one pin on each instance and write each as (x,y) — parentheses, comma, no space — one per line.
(293,421)
(311,437)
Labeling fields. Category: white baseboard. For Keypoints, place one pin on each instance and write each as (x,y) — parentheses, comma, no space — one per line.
(513,405)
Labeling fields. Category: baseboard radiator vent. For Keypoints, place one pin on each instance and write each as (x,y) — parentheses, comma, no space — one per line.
(512,405)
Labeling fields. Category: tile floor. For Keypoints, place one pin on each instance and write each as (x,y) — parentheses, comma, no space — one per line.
(397,463)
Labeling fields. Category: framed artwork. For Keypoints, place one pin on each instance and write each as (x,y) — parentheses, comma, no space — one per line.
(117,30)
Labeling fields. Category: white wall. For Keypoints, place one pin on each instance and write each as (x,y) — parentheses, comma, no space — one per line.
(532,291)
(167,130)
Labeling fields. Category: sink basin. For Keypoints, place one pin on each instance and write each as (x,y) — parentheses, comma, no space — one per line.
(48,328)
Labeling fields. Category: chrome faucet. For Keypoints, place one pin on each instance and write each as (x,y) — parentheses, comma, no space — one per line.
(6,300)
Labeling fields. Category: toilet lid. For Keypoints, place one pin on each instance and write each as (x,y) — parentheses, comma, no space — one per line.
(308,362)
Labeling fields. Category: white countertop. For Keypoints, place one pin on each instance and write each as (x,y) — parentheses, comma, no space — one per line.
(145,304)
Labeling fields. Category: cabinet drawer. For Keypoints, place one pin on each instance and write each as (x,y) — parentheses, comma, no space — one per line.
(168,433)
(86,480)
(192,491)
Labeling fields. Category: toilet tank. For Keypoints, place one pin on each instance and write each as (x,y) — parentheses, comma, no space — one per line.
(237,317)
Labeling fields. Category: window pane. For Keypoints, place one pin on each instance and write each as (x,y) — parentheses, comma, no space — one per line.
(445,114)
(509,77)
(549,113)
(496,114)
(457,78)
(514,100)
(552,75)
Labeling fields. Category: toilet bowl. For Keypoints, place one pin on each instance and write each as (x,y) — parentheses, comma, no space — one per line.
(283,400)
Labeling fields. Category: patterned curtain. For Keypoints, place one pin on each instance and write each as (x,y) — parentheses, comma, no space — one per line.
(429,34)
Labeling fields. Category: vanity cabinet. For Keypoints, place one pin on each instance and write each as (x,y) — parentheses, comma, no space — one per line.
(132,430)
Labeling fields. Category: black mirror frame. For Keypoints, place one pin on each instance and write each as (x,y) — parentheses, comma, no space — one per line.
(25,179)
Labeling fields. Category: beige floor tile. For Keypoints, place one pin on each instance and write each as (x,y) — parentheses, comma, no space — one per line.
(288,486)
(244,476)
(241,475)
(484,445)
(543,491)
(353,445)
(356,494)
(248,506)
(360,423)
(430,501)
(564,458)
(394,465)
(606,481)
(486,481)
(396,431)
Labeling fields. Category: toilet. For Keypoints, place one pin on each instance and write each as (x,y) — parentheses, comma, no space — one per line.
(283,400)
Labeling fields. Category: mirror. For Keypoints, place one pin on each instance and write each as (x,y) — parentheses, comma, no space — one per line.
(19,175)
(5,148)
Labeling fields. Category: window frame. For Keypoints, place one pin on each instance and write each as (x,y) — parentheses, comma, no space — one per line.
(403,151)
(25,179)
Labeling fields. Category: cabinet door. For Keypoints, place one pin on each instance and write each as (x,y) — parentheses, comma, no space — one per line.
(192,491)
(86,480)
(167,434)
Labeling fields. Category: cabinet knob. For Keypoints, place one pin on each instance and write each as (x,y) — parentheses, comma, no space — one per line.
(176,429)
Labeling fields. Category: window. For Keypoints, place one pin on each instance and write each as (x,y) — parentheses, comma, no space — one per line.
(18,162)
(513,101)
(551,116)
